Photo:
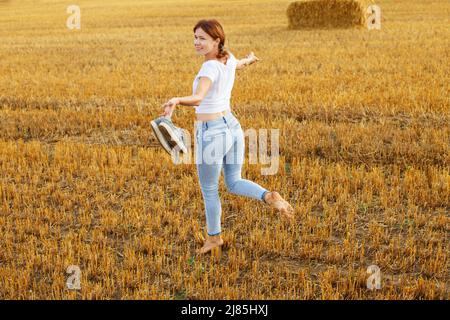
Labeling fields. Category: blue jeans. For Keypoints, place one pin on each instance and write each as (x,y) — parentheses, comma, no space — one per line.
(221,145)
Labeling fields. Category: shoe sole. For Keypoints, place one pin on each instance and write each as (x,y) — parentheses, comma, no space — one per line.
(160,137)
(171,137)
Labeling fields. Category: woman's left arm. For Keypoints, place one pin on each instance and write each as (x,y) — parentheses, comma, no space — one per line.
(204,85)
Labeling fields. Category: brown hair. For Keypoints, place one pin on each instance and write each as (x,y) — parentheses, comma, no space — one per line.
(214,29)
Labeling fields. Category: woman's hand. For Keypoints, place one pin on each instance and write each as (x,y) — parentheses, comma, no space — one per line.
(252,58)
(169,106)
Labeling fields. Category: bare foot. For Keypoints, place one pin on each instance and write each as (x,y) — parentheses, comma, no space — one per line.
(210,243)
(276,201)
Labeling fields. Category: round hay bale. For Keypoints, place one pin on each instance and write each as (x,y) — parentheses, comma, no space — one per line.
(306,14)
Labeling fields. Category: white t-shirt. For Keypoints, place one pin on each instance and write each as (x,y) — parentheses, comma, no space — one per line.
(217,98)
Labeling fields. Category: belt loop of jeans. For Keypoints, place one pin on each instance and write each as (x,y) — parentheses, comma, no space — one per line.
(225,120)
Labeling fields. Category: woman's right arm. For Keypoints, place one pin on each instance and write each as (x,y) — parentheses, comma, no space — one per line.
(248,60)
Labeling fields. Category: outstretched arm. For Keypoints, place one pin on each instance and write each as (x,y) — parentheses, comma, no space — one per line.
(248,60)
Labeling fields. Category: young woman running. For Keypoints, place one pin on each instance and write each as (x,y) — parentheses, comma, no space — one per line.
(218,133)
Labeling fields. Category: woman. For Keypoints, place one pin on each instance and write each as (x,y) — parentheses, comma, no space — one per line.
(218,129)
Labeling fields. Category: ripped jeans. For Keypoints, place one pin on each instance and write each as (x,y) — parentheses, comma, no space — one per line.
(221,144)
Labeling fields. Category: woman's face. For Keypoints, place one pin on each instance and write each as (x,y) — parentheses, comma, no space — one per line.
(203,42)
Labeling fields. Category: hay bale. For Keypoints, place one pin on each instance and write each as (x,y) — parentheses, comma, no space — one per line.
(327,13)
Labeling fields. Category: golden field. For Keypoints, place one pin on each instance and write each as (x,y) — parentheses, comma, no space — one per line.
(364,123)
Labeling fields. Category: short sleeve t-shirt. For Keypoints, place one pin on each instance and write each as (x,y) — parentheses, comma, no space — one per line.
(217,99)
